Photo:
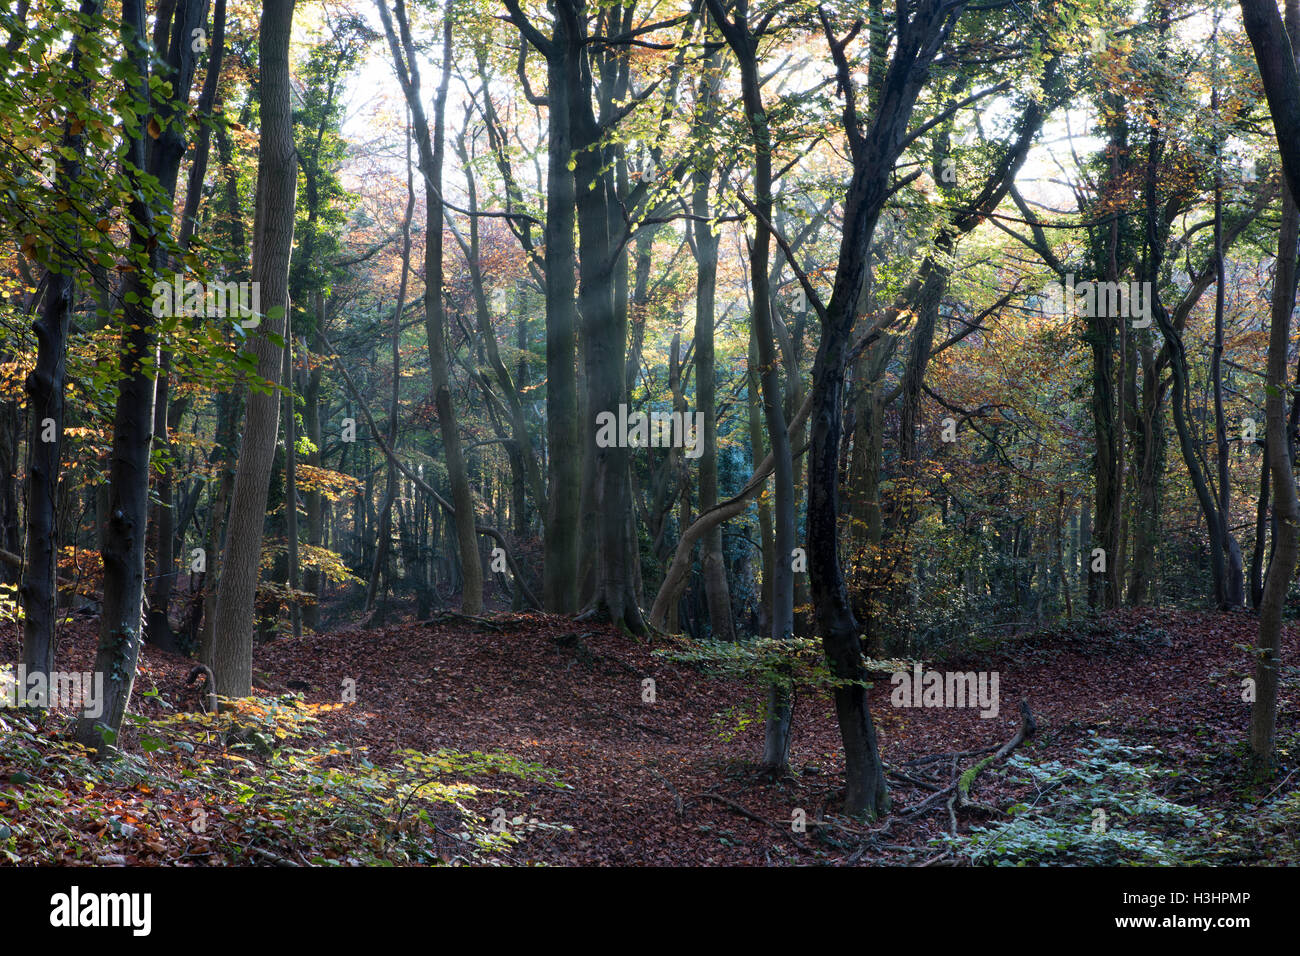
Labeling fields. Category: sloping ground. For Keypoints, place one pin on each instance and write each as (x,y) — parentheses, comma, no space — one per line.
(674,781)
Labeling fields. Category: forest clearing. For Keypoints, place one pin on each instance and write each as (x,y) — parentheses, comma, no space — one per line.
(608,778)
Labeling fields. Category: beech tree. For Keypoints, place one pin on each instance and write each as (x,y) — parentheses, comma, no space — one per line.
(431,145)
(154,148)
(45,395)
(1277,51)
(231,660)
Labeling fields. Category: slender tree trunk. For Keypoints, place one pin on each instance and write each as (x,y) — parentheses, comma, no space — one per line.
(705,247)
(230,405)
(1286,508)
(390,492)
(277,181)
(1265,473)
(874,152)
(766,533)
(291,484)
(525,472)
(314,500)
(745,47)
(1234,585)
(1149,453)
(431,151)
(124,529)
(164,513)
(1180,401)
(45,384)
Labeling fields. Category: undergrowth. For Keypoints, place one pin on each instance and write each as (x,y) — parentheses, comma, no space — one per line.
(1103,808)
(253,784)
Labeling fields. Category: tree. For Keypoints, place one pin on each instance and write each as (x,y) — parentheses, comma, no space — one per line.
(743,40)
(277,183)
(431,150)
(124,526)
(564,463)
(1275,54)
(922,29)
(1276,51)
(166,413)
(380,567)
(704,244)
(45,399)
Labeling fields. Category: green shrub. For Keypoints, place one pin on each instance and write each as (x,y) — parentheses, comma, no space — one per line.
(1102,809)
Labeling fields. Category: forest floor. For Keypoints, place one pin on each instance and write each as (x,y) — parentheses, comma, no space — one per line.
(675,781)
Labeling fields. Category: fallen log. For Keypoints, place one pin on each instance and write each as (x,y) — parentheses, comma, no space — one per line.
(961,798)
(961,786)
(749,814)
(1028,727)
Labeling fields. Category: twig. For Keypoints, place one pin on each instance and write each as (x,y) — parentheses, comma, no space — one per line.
(678,802)
(914,781)
(934,860)
(273,857)
(1278,787)
(788,834)
(1028,728)
(932,758)
(961,786)
(444,616)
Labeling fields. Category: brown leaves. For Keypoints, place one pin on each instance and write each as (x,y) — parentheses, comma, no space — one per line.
(532,688)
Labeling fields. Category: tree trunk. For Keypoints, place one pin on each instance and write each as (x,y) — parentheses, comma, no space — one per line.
(745,47)
(291,483)
(563,439)
(1234,584)
(45,386)
(164,513)
(124,528)
(390,492)
(1286,508)
(277,181)
(874,152)
(430,145)
(705,247)
(1281,76)
(314,500)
